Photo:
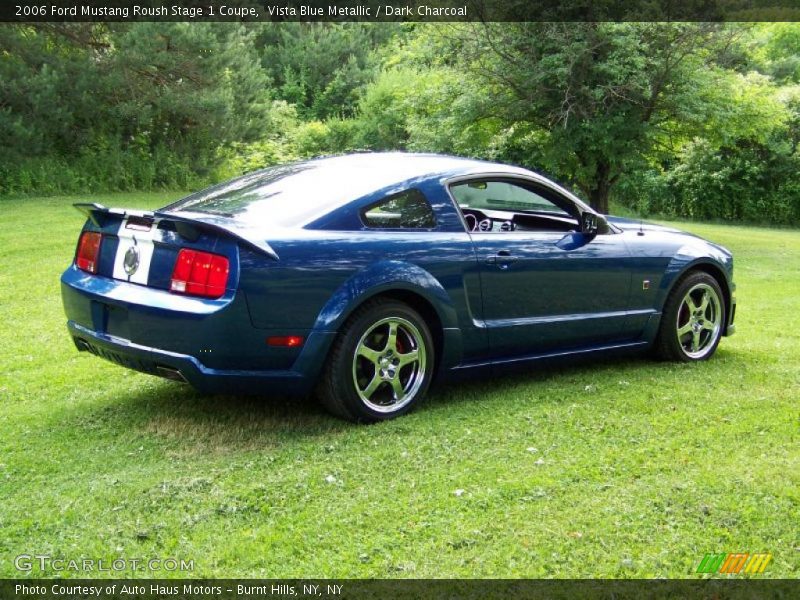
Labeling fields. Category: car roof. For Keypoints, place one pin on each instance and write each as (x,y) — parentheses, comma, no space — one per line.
(387,168)
(299,192)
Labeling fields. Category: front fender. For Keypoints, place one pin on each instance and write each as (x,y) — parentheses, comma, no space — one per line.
(692,256)
(381,277)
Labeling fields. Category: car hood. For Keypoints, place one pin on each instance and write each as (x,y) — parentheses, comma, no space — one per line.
(690,238)
(637,224)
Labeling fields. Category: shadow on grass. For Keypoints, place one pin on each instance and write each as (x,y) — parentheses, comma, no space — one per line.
(542,375)
(536,376)
(185,422)
(192,423)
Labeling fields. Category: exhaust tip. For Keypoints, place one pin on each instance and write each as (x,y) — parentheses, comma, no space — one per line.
(81,345)
(169,373)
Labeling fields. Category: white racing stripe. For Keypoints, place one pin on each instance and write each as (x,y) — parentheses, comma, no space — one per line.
(134,242)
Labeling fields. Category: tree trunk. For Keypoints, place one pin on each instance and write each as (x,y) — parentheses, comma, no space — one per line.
(601,188)
(598,199)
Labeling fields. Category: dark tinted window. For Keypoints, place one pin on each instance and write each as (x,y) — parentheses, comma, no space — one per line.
(407,210)
(296,194)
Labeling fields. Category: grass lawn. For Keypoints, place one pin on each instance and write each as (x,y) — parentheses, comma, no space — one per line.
(624,468)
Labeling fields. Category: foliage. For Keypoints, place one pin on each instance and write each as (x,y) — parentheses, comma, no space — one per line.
(686,119)
(383,111)
(625,468)
(747,181)
(102,166)
(125,97)
(748,170)
(775,51)
(322,67)
(603,93)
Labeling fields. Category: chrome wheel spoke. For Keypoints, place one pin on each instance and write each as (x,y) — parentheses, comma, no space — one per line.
(372,386)
(408,358)
(695,341)
(391,340)
(709,325)
(684,329)
(397,388)
(704,302)
(371,355)
(689,301)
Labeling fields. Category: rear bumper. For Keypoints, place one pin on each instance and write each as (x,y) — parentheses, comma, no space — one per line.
(210,344)
(181,367)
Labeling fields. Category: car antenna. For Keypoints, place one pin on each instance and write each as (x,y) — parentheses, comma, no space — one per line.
(641,230)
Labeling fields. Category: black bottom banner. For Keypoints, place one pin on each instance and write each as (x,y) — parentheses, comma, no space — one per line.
(450,589)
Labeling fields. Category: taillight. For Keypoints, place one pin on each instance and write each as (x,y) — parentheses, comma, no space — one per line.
(199,274)
(88,251)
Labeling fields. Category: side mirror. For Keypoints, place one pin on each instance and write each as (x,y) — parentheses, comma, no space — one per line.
(592,224)
(589,223)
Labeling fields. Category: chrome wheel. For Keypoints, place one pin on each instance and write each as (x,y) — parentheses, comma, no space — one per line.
(699,320)
(389,364)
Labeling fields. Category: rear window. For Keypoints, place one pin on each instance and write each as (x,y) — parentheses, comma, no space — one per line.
(234,197)
(406,210)
(285,195)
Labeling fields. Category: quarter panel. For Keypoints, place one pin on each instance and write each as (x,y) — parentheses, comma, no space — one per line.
(322,276)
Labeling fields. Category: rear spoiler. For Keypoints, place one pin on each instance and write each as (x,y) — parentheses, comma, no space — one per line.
(187,227)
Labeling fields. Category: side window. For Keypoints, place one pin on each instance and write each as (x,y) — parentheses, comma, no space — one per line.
(501,195)
(495,206)
(406,210)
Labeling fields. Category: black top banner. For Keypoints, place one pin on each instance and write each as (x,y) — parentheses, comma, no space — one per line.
(398,10)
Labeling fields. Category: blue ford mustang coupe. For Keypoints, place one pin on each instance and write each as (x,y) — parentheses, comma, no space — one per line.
(364,277)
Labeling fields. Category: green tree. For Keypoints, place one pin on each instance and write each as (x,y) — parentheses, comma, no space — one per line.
(191,87)
(47,88)
(595,99)
(322,67)
(126,105)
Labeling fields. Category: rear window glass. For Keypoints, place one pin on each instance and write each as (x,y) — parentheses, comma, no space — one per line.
(406,210)
(236,196)
(285,195)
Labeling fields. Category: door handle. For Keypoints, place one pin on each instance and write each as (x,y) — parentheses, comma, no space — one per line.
(502,259)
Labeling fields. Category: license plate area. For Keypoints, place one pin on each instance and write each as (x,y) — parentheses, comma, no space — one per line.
(117,321)
(134,250)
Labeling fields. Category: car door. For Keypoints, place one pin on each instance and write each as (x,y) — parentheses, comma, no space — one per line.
(546,287)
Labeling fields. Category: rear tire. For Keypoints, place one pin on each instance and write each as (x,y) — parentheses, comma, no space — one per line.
(381,364)
(693,319)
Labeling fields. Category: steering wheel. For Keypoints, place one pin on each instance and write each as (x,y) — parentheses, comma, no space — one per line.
(471,221)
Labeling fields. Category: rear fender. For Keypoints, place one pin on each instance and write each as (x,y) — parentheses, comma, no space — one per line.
(382,277)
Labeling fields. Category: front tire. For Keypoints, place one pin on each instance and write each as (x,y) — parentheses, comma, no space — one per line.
(693,319)
(381,364)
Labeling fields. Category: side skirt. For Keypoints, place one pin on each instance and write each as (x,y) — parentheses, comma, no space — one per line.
(519,360)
